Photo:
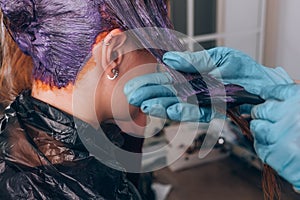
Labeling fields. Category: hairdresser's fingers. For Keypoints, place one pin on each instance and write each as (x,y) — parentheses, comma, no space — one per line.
(189,62)
(162,78)
(280,92)
(267,111)
(261,150)
(157,107)
(188,113)
(145,93)
(282,158)
(265,132)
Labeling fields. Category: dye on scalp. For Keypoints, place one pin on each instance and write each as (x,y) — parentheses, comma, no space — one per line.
(59,34)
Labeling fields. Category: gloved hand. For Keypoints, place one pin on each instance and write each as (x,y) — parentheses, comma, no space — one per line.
(226,65)
(155,95)
(276,130)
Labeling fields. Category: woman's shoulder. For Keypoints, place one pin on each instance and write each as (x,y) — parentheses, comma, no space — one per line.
(8,119)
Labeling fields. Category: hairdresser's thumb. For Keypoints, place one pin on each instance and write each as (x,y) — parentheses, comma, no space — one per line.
(189,62)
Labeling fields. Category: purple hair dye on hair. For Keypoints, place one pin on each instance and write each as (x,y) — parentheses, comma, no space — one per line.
(59,34)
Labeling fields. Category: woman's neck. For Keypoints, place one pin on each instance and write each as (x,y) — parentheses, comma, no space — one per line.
(57,97)
(63,99)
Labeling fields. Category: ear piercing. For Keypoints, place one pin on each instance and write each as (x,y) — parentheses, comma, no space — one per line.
(115,73)
(110,36)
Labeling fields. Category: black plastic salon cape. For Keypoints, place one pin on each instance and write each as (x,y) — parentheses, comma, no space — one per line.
(42,157)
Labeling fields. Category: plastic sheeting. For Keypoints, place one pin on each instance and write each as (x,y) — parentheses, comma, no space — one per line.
(42,157)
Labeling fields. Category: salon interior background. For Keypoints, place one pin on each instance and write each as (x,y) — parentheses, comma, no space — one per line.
(268,30)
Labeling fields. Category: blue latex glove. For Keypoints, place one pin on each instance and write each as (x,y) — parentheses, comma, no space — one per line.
(229,66)
(276,130)
(156,96)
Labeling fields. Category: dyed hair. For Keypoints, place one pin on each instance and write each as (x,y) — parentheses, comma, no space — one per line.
(51,41)
(15,69)
(59,34)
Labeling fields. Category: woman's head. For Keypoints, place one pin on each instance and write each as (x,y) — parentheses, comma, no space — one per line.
(57,34)
(60,35)
(115,60)
(15,68)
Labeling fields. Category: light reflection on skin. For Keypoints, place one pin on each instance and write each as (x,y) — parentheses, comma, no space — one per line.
(93,94)
(131,120)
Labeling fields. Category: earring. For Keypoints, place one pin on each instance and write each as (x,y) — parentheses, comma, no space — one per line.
(109,40)
(106,43)
(116,74)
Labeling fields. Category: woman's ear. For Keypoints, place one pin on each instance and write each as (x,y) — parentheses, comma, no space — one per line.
(113,50)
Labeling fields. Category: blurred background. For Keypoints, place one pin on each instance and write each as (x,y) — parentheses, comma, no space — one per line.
(267,30)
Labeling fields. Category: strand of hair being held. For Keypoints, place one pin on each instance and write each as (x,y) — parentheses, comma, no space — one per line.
(270,179)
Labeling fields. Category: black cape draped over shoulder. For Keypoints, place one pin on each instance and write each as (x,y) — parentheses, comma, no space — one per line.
(42,156)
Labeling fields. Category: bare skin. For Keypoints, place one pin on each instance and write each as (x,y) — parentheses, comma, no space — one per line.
(93,93)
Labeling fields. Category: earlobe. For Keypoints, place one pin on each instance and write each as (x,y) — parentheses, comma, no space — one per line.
(115,74)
